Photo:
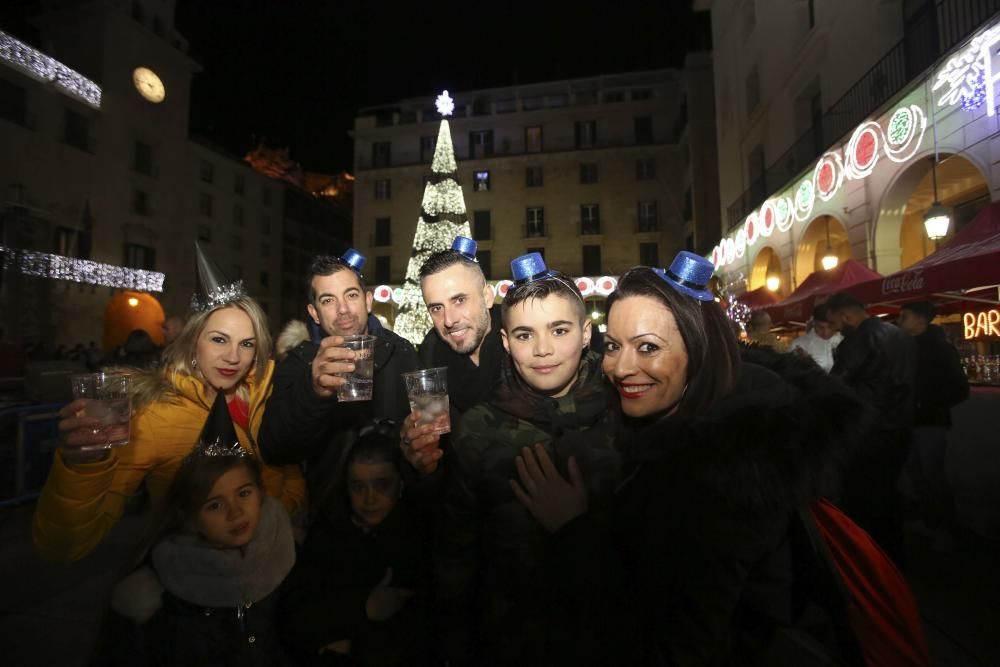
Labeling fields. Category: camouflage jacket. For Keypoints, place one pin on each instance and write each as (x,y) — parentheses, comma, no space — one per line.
(490,550)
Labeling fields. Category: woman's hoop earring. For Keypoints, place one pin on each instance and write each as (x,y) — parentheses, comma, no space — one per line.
(194,363)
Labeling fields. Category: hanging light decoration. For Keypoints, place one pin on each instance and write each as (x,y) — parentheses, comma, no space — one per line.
(773,283)
(829,260)
(936,220)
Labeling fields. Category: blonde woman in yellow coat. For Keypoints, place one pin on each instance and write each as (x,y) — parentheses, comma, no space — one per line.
(225,346)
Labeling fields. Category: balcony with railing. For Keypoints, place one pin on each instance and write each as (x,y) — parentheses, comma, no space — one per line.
(926,39)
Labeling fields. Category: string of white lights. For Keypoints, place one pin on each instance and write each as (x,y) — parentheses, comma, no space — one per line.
(48,69)
(58,267)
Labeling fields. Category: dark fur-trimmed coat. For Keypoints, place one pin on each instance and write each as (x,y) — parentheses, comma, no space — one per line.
(700,556)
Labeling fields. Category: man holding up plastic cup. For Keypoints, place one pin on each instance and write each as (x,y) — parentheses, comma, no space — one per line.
(321,384)
(465,340)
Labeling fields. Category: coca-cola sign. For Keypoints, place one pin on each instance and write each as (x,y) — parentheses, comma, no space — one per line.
(903,282)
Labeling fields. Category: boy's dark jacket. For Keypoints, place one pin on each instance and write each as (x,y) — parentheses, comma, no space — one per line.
(699,567)
(488,559)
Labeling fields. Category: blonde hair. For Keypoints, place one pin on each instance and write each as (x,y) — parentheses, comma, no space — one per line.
(159,383)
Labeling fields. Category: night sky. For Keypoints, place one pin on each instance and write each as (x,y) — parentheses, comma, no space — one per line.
(295,72)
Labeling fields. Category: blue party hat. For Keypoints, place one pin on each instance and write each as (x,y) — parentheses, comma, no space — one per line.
(689,274)
(464,246)
(353,259)
(528,268)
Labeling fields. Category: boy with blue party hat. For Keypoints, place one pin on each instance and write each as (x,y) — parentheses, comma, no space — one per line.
(551,395)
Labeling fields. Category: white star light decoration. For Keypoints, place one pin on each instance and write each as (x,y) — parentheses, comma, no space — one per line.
(445,105)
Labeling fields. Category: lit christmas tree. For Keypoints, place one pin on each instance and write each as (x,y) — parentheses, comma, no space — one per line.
(442,218)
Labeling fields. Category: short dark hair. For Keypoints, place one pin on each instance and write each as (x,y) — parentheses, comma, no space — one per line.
(444,259)
(327,265)
(557,284)
(821,313)
(376,444)
(714,364)
(843,301)
(924,309)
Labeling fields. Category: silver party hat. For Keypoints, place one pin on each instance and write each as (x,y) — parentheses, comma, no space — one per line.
(212,288)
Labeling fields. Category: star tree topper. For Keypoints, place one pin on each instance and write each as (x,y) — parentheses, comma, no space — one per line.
(445,105)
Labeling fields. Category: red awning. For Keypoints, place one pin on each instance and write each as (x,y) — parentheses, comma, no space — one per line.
(965,271)
(799,304)
(759,298)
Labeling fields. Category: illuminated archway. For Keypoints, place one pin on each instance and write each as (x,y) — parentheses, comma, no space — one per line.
(766,264)
(128,311)
(824,236)
(900,239)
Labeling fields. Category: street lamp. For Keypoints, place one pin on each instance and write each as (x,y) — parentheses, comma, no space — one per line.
(936,221)
(829,260)
(773,283)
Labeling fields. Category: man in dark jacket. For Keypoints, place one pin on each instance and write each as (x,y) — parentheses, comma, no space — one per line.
(941,384)
(465,339)
(303,417)
(878,361)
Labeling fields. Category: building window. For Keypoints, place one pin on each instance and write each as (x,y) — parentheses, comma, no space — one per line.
(383,188)
(480,143)
(649,254)
(381,153)
(643,129)
(533,177)
(265,196)
(239,184)
(485,259)
(383,231)
(535,222)
(645,169)
(616,96)
(140,202)
(205,233)
(158,26)
(586,133)
(142,158)
(481,225)
(540,251)
(591,260)
(65,242)
(265,249)
(265,279)
(382,269)
(812,13)
(749,16)
(644,94)
(12,102)
(533,139)
(427,145)
(649,220)
(236,242)
(753,91)
(238,215)
(207,172)
(139,257)
(205,204)
(590,219)
(588,172)
(481,181)
(77,131)
(265,224)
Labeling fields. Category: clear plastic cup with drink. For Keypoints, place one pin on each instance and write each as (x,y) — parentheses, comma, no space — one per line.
(428,394)
(107,397)
(359,381)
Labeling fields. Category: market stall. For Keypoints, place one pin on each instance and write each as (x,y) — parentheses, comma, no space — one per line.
(797,308)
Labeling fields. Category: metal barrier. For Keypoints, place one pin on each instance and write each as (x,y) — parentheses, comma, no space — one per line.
(36,437)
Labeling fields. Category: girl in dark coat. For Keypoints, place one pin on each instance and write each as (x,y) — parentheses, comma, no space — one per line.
(720,454)
(206,590)
(351,598)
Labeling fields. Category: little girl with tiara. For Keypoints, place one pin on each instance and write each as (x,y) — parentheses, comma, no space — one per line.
(206,586)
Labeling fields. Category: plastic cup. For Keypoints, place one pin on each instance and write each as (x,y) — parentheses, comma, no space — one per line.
(359,382)
(428,394)
(107,398)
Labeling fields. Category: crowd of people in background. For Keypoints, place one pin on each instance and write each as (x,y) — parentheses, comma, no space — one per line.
(639,503)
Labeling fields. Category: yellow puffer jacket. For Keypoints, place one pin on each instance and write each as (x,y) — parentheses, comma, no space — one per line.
(82,502)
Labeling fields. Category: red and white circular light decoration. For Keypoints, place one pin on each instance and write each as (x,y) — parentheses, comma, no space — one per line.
(382,293)
(605,285)
(503,287)
(752,225)
(585,285)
